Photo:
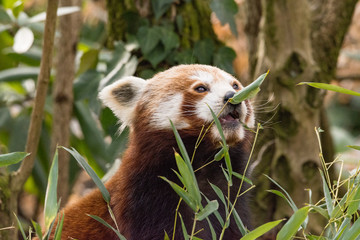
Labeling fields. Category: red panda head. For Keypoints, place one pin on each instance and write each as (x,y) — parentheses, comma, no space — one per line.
(182,94)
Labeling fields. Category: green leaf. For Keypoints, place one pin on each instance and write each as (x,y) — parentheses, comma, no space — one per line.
(12,158)
(261,230)
(210,208)
(88,61)
(331,87)
(225,146)
(160,7)
(248,91)
(183,194)
(293,224)
(51,206)
(148,39)
(90,171)
(353,232)
(224,59)
(289,199)
(344,227)
(20,227)
(38,230)
(354,202)
(186,236)
(204,51)
(59,226)
(238,221)
(354,147)
(280,194)
(102,221)
(328,199)
(225,11)
(188,179)
(181,146)
(242,177)
(220,155)
(320,210)
(166,236)
(19,73)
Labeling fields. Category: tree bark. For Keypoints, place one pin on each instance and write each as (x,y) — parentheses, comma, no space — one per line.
(298,41)
(12,184)
(63,92)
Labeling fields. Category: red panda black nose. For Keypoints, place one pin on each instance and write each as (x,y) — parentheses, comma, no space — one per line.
(228,95)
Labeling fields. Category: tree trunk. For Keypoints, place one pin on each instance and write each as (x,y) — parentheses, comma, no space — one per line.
(12,184)
(63,92)
(298,41)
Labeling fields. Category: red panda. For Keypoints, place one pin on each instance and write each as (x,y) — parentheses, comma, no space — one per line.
(143,204)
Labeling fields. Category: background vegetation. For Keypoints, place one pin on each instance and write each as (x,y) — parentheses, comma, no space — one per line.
(108,40)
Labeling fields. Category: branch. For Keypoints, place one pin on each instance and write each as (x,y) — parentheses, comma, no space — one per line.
(19,177)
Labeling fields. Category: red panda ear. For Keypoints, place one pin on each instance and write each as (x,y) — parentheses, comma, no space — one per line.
(122,96)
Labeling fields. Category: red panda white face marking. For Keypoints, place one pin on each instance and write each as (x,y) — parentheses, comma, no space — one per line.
(182,94)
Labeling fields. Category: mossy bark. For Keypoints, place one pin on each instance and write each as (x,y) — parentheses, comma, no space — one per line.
(191,14)
(297,44)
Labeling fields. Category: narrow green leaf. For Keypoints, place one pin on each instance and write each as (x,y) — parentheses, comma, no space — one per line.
(249,91)
(12,158)
(183,194)
(220,155)
(293,224)
(289,199)
(59,226)
(216,213)
(280,194)
(20,227)
(353,232)
(354,147)
(241,177)
(344,227)
(188,179)
(328,199)
(166,236)
(186,235)
(81,161)
(331,87)
(320,210)
(211,207)
(38,230)
(212,230)
(238,221)
(19,73)
(51,205)
(354,202)
(261,230)
(102,221)
(224,144)
(181,145)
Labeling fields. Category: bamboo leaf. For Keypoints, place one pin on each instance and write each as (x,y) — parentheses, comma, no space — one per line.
(51,205)
(331,87)
(328,199)
(186,235)
(354,202)
(293,224)
(183,194)
(102,221)
(241,177)
(225,146)
(354,147)
(188,179)
(12,158)
(249,91)
(211,207)
(261,230)
(353,232)
(20,227)
(38,230)
(81,161)
(59,226)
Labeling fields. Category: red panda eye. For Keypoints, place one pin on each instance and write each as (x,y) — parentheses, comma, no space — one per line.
(201,89)
(235,86)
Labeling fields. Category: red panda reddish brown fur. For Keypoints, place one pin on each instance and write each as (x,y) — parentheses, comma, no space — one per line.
(144,204)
